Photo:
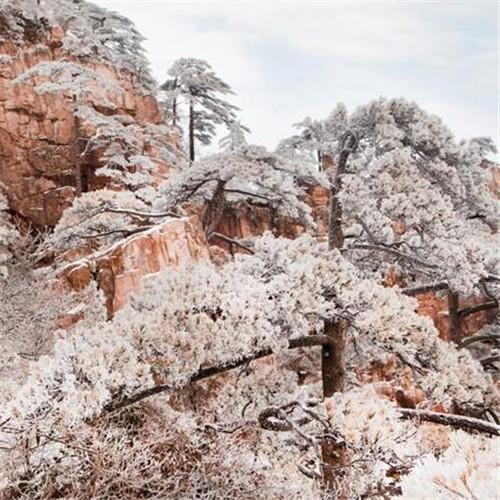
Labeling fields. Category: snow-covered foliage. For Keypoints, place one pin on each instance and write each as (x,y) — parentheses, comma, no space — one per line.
(156,451)
(412,195)
(91,33)
(202,316)
(121,149)
(73,79)
(469,468)
(235,139)
(194,83)
(388,455)
(386,323)
(31,306)
(314,139)
(250,173)
(125,148)
(80,420)
(102,216)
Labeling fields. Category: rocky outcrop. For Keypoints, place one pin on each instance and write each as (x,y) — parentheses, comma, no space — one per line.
(41,139)
(247,221)
(120,269)
(436,307)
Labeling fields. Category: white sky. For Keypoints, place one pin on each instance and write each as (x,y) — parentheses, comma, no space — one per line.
(288,60)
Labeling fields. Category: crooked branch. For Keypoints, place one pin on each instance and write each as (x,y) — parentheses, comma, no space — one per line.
(392,251)
(429,287)
(307,341)
(136,213)
(232,241)
(482,337)
(467,311)
(460,421)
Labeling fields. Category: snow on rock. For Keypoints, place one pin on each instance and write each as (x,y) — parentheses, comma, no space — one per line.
(119,269)
(46,76)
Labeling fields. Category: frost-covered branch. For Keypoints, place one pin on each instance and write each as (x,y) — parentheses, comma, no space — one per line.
(236,176)
(309,341)
(459,421)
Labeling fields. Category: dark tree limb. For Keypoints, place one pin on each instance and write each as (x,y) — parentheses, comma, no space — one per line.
(143,215)
(454,323)
(307,341)
(332,357)
(421,289)
(489,360)
(215,209)
(460,421)
(485,306)
(332,354)
(335,234)
(125,232)
(253,195)
(486,337)
(231,241)
(392,251)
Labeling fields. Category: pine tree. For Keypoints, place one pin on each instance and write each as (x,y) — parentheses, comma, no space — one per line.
(194,81)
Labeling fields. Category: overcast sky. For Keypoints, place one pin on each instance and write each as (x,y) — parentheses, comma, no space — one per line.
(288,60)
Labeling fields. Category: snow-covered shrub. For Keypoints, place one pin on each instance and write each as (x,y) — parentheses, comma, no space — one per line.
(249,173)
(102,216)
(469,468)
(388,455)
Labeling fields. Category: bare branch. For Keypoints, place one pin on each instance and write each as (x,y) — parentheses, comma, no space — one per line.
(144,215)
(467,311)
(393,251)
(421,289)
(485,337)
(460,421)
(307,341)
(247,193)
(231,241)
(489,360)
(125,232)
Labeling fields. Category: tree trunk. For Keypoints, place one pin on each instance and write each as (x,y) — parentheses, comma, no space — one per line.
(333,371)
(174,113)
(191,132)
(454,326)
(215,210)
(332,359)
(335,233)
(174,107)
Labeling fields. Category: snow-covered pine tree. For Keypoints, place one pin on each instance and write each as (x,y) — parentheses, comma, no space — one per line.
(194,83)
(413,198)
(249,173)
(193,323)
(92,33)
(235,139)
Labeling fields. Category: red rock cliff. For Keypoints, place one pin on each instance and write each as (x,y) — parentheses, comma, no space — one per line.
(41,140)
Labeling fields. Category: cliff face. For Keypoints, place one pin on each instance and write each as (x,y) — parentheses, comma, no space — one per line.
(41,139)
(119,270)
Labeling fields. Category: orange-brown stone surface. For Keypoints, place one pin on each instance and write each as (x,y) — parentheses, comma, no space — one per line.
(120,269)
(41,139)
(247,221)
(436,307)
